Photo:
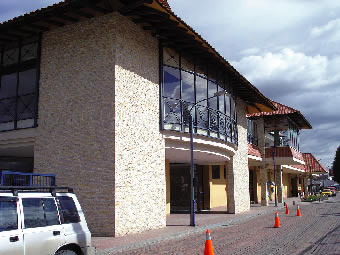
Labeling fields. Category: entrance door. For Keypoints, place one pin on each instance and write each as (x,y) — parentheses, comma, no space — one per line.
(180,188)
(294,187)
(251,186)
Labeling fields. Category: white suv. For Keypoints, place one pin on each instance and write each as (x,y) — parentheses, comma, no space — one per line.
(42,221)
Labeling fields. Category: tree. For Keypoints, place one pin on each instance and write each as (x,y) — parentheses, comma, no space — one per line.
(336,165)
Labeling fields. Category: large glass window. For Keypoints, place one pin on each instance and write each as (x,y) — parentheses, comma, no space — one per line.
(18,84)
(69,210)
(187,90)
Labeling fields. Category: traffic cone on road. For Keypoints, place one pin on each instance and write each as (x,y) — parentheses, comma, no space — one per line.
(209,250)
(277,220)
(298,212)
(287,210)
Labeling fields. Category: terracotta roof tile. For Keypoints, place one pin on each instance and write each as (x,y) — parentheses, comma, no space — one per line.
(253,150)
(281,110)
(165,4)
(312,164)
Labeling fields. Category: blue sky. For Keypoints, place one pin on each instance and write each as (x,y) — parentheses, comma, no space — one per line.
(289,49)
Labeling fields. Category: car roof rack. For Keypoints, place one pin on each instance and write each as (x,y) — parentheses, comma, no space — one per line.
(52,189)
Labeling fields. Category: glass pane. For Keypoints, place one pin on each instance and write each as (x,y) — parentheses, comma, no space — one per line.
(50,212)
(33,213)
(171,82)
(170,57)
(11,57)
(212,89)
(8,215)
(172,109)
(201,90)
(27,82)
(202,117)
(7,110)
(26,107)
(227,105)
(68,210)
(221,103)
(188,91)
(232,107)
(29,51)
(8,85)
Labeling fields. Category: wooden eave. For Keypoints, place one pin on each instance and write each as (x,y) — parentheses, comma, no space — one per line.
(163,24)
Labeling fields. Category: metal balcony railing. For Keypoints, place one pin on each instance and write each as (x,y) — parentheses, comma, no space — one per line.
(9,178)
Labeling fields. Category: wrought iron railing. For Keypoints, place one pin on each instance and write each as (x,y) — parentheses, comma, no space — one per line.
(206,120)
(9,178)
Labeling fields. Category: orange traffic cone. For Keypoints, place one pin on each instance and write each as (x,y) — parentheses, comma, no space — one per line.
(287,210)
(298,212)
(209,250)
(277,220)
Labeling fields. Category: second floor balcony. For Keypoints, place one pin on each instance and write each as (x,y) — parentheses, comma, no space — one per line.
(283,155)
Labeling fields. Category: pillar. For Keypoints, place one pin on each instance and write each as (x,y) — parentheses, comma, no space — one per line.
(231,184)
(278,182)
(263,177)
(305,188)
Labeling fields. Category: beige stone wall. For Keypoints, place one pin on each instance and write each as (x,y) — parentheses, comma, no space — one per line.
(140,185)
(75,137)
(238,171)
(99,122)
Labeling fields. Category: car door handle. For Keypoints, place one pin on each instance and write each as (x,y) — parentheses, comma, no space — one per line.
(13,239)
(56,233)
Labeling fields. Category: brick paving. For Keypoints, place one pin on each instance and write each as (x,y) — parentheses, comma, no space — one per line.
(316,232)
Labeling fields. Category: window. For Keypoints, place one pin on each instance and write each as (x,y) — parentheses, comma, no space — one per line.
(216,172)
(186,82)
(18,84)
(40,212)
(69,210)
(8,214)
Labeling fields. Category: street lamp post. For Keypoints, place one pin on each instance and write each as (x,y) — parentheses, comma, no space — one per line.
(192,166)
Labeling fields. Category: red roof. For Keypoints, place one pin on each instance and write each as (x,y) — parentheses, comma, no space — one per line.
(281,110)
(312,164)
(253,150)
(165,4)
(285,110)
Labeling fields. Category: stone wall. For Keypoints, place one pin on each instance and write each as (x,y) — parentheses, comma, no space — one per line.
(99,122)
(140,183)
(75,137)
(238,171)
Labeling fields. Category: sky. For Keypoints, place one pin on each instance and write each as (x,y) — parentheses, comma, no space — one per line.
(288,49)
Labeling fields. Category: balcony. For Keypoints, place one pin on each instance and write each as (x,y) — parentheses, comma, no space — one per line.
(283,155)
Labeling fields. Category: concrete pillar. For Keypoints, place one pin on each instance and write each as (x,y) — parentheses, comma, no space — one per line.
(263,177)
(305,188)
(231,191)
(278,182)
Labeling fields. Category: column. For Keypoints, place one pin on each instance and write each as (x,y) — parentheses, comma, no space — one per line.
(305,188)
(278,182)
(264,188)
(231,184)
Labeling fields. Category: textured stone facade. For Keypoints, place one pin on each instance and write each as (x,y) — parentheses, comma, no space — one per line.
(139,146)
(238,171)
(99,122)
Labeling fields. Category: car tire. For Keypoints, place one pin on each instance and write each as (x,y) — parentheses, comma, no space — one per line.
(66,252)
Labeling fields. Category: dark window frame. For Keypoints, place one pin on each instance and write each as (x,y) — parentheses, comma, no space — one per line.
(215,172)
(31,106)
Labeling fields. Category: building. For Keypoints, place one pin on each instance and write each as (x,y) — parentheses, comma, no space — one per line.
(274,155)
(99,92)
(314,171)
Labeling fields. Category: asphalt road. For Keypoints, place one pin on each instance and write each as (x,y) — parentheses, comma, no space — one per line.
(317,231)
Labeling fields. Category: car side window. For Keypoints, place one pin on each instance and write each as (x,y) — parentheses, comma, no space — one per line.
(8,214)
(39,212)
(69,210)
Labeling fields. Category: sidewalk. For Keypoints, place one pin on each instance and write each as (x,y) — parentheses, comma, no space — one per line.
(178,227)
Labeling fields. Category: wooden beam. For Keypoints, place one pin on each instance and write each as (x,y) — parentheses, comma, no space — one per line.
(133,5)
(82,13)
(37,27)
(67,18)
(53,22)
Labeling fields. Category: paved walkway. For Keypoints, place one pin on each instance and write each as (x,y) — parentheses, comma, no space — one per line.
(177,228)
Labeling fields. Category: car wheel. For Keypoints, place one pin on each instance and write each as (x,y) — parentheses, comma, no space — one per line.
(65,252)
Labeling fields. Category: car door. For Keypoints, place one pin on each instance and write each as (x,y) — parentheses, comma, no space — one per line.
(43,233)
(11,237)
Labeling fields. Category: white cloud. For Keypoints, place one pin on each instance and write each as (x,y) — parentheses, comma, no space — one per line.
(330,26)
